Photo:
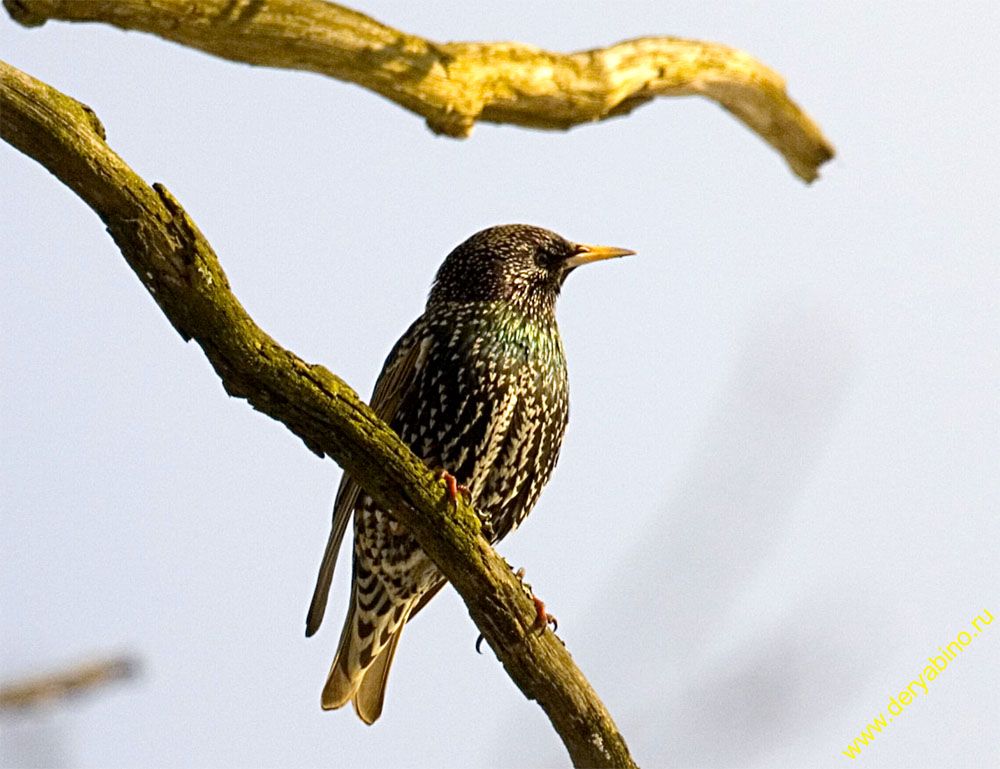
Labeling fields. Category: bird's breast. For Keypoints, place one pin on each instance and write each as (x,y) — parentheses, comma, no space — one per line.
(491,402)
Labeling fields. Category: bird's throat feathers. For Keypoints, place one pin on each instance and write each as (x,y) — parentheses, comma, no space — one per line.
(527,322)
(505,328)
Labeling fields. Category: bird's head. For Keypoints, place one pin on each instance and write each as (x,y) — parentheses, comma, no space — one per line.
(516,263)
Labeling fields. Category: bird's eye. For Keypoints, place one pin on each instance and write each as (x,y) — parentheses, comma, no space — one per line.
(546,257)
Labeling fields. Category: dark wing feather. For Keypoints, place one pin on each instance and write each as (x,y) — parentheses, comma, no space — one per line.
(347,497)
(393,385)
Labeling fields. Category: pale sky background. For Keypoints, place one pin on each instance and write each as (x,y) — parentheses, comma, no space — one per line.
(779,490)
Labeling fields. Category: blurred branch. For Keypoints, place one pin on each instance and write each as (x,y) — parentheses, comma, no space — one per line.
(180,270)
(452,85)
(79,679)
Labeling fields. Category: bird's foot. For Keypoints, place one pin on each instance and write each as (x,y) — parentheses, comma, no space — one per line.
(542,618)
(455,488)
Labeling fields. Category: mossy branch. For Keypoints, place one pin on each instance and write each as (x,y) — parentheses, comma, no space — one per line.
(453,85)
(178,267)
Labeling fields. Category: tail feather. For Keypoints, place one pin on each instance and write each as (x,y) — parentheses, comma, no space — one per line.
(369,698)
(367,646)
(340,684)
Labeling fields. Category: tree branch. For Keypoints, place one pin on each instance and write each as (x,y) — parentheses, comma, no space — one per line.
(79,679)
(179,269)
(452,85)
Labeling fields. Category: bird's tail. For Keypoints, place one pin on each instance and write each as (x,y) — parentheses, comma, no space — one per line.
(364,656)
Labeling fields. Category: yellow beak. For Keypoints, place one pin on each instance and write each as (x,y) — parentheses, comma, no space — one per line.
(586,253)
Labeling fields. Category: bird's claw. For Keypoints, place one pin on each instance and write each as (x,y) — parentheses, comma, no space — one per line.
(455,488)
(542,618)
(542,621)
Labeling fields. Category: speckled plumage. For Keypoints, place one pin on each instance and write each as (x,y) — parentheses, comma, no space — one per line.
(477,386)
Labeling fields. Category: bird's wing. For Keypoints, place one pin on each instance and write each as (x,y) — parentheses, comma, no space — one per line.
(397,379)
(347,497)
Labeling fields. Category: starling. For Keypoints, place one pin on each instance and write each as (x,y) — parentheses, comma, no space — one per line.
(476,387)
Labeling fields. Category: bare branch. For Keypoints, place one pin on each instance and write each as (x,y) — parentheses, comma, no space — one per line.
(179,269)
(78,679)
(452,85)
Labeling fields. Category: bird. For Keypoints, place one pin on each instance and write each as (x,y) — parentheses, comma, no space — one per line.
(478,388)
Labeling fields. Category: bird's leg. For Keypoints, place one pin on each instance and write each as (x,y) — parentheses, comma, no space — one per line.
(543,619)
(455,488)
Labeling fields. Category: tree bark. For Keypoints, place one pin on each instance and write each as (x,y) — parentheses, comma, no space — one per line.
(452,85)
(180,270)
